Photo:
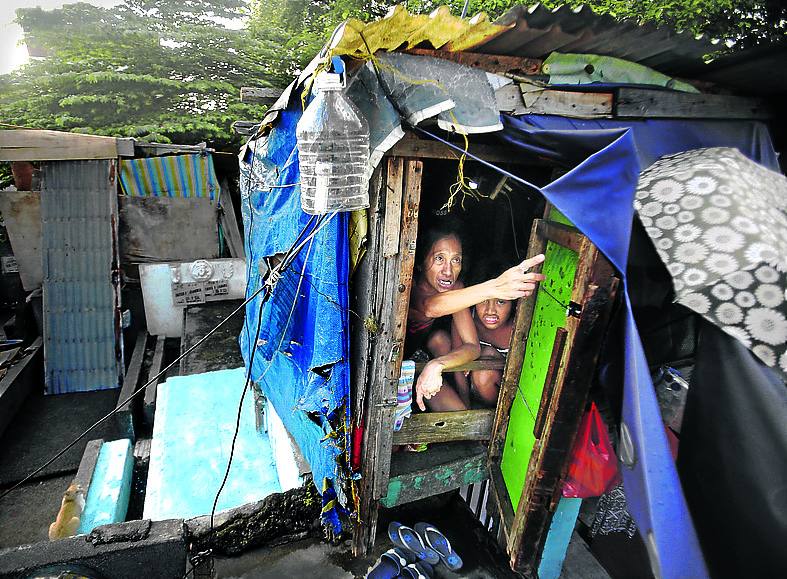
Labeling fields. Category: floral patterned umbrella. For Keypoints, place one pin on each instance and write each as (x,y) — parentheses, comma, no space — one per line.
(719,223)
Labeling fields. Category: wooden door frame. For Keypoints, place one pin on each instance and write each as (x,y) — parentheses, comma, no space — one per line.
(524,530)
(393,229)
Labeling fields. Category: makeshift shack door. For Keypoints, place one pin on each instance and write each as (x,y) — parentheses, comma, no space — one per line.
(81,280)
(381,296)
(557,337)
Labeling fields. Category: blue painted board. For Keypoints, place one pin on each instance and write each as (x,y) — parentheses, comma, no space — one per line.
(192,436)
(110,486)
(560,530)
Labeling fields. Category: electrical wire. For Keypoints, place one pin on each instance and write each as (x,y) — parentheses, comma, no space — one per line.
(322,221)
(133,395)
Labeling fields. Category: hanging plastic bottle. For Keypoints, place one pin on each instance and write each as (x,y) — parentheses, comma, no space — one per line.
(333,149)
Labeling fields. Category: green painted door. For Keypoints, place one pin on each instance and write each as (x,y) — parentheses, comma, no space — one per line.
(549,314)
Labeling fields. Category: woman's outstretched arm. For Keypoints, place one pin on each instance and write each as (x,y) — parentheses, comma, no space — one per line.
(512,284)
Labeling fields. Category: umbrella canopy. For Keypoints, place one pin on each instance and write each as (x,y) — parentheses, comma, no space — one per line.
(719,224)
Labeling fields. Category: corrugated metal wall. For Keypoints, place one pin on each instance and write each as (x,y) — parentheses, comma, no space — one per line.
(81,297)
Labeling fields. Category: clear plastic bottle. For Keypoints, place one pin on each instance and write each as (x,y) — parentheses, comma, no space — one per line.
(333,150)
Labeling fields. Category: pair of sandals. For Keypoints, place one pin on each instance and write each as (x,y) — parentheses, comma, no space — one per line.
(417,550)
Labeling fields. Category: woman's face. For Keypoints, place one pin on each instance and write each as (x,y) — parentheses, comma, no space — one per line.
(443,263)
(494,313)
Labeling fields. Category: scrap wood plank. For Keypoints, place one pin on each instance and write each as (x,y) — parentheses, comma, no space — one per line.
(583,105)
(429,427)
(368,295)
(488,62)
(439,469)
(412,146)
(149,404)
(124,418)
(479,364)
(41,145)
(254,94)
(18,381)
(654,103)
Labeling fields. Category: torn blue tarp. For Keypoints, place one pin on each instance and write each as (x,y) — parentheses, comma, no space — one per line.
(597,195)
(301,360)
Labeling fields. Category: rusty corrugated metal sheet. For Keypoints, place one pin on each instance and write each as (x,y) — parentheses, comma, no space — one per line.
(536,31)
(81,296)
(401,30)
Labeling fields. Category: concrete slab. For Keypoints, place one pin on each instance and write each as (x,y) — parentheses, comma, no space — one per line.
(26,513)
(192,437)
(44,425)
(122,551)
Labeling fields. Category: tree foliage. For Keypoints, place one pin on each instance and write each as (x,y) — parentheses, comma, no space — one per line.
(170,70)
(158,70)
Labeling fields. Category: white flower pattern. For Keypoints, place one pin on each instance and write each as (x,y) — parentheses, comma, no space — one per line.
(719,224)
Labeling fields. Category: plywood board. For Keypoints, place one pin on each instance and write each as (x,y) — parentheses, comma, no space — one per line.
(22,216)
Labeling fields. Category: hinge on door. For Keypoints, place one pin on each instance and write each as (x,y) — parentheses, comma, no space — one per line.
(574,309)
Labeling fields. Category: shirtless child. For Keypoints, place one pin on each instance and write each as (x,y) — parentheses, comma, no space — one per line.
(494,323)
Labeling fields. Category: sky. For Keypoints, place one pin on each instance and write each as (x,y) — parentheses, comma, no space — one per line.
(12,55)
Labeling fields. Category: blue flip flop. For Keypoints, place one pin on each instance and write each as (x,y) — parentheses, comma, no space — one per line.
(391,564)
(421,570)
(406,538)
(438,542)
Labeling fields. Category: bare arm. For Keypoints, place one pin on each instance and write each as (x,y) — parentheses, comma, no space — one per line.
(431,380)
(512,284)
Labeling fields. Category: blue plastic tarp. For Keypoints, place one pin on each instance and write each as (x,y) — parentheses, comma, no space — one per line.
(597,195)
(301,359)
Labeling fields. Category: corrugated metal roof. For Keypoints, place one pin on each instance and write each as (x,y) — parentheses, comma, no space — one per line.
(755,71)
(78,211)
(537,31)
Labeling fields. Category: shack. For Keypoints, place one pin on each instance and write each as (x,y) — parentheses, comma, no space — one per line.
(533,131)
(605,145)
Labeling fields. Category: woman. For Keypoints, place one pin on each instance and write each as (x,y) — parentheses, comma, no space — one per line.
(437,294)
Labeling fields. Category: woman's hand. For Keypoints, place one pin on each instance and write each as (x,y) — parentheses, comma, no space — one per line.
(429,383)
(518,281)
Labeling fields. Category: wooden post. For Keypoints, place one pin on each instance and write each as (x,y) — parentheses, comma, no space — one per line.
(394,287)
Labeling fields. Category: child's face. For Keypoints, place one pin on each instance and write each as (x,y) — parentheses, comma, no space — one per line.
(443,263)
(494,313)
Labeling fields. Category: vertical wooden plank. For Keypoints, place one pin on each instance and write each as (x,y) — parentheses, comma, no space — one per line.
(365,297)
(394,282)
(393,209)
(149,404)
(368,296)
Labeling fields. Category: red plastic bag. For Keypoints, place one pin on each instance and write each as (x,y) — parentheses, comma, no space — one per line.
(594,466)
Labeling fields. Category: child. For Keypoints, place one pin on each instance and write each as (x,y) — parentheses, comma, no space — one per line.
(494,322)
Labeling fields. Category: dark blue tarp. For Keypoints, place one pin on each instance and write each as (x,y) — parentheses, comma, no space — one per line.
(301,363)
(597,195)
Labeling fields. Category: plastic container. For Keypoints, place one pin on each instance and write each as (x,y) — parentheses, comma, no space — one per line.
(333,150)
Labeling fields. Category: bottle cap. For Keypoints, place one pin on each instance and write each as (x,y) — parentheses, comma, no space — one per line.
(328,81)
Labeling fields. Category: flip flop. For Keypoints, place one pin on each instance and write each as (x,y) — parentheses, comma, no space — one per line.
(422,570)
(440,544)
(407,538)
(391,564)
